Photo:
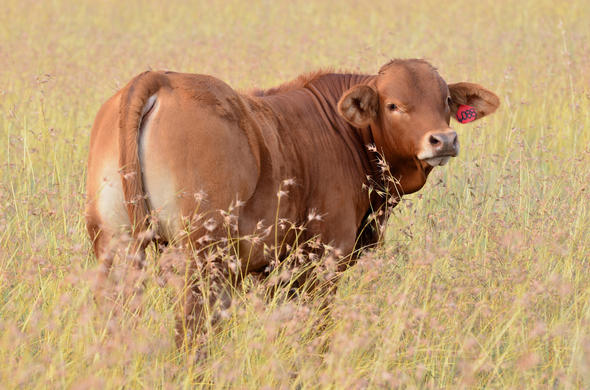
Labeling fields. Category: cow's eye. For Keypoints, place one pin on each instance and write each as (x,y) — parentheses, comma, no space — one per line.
(391,107)
(449,101)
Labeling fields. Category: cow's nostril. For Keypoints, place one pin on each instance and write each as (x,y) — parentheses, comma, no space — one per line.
(433,140)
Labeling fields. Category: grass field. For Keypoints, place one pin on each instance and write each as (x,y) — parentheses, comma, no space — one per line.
(484,281)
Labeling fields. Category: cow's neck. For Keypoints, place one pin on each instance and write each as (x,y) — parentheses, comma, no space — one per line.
(321,94)
(328,90)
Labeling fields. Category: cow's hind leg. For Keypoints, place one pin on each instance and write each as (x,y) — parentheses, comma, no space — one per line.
(208,280)
(130,255)
(110,233)
(101,247)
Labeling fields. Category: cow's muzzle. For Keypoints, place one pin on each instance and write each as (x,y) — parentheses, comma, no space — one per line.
(438,147)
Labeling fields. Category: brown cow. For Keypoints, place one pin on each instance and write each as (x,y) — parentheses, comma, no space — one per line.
(173,145)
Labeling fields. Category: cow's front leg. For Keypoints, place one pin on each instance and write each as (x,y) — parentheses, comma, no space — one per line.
(331,240)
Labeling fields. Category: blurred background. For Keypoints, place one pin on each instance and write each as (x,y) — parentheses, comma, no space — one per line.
(483,281)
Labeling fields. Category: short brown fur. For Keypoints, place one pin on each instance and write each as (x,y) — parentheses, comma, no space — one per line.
(204,136)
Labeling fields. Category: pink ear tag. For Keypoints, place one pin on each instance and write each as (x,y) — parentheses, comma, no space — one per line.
(466,114)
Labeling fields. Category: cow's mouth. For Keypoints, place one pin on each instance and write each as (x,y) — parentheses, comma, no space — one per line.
(436,161)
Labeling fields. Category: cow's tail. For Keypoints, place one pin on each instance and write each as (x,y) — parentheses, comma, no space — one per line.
(138,98)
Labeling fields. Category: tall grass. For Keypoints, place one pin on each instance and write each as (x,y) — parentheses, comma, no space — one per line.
(483,281)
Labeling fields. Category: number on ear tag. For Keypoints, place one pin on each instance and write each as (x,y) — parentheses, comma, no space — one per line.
(466,114)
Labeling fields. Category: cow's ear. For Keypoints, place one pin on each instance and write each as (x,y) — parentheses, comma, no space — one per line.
(359,105)
(471,101)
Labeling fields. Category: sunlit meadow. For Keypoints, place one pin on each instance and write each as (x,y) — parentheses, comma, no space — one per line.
(484,278)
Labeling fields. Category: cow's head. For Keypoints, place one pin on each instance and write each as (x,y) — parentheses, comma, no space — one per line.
(408,108)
